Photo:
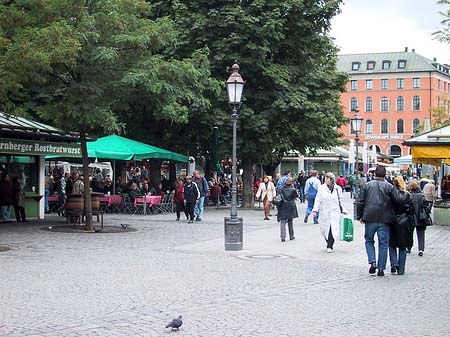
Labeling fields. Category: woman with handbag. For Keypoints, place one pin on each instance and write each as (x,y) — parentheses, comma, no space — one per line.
(400,237)
(287,210)
(266,191)
(421,216)
(329,201)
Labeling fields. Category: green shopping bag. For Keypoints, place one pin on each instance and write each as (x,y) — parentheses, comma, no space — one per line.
(347,233)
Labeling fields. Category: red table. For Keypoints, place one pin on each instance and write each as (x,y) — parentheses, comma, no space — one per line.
(150,200)
(111,200)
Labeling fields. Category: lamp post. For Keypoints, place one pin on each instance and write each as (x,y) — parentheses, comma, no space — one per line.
(233,224)
(356,127)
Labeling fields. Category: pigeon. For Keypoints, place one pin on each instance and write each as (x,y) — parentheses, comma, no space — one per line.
(124,226)
(97,230)
(175,323)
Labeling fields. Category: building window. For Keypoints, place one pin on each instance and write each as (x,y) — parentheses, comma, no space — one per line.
(384,126)
(396,151)
(368,126)
(416,124)
(369,85)
(353,104)
(371,65)
(400,103)
(377,148)
(416,83)
(355,65)
(386,64)
(384,104)
(400,127)
(439,84)
(401,64)
(369,104)
(384,84)
(400,83)
(353,85)
(416,103)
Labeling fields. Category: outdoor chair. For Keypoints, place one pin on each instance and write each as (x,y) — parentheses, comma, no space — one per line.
(166,205)
(128,205)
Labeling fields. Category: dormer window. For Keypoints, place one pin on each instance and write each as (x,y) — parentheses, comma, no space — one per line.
(401,64)
(386,64)
(356,65)
(371,65)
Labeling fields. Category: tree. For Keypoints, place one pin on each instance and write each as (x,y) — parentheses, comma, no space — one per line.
(292,94)
(77,63)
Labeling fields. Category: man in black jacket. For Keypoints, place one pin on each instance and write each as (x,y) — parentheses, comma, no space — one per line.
(191,195)
(375,210)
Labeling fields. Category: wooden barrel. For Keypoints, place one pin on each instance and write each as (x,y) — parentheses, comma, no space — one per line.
(74,202)
(95,201)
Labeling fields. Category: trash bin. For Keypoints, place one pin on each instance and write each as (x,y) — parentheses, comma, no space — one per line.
(442,213)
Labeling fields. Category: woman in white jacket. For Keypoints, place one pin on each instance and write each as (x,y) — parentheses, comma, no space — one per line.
(330,203)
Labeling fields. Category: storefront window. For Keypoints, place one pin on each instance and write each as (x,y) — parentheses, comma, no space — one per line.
(21,166)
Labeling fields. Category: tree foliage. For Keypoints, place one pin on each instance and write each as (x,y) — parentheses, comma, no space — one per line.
(77,63)
(291,97)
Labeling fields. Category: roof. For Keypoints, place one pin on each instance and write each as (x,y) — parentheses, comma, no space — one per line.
(414,62)
(27,128)
(434,137)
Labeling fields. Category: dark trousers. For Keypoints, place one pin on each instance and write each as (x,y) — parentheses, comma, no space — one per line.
(181,208)
(421,238)
(330,240)
(189,208)
(20,213)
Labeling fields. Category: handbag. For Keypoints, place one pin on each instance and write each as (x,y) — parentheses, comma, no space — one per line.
(424,217)
(277,200)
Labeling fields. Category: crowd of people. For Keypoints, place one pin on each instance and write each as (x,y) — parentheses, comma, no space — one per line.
(390,207)
(12,195)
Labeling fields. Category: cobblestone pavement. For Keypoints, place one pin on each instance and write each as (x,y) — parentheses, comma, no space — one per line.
(133,283)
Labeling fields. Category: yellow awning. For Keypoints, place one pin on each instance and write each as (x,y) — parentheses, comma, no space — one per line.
(430,154)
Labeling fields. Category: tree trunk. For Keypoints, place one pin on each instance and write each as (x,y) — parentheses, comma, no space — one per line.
(269,169)
(87,187)
(247,179)
(154,165)
(172,174)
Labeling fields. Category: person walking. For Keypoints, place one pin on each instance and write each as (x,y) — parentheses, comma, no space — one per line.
(400,236)
(311,187)
(281,181)
(301,185)
(330,202)
(287,211)
(202,185)
(178,198)
(267,192)
(18,200)
(419,203)
(429,194)
(375,211)
(191,195)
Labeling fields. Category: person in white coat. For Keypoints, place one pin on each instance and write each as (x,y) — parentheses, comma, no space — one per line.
(330,202)
(267,192)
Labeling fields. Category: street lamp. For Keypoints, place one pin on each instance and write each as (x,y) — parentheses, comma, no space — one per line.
(233,224)
(356,127)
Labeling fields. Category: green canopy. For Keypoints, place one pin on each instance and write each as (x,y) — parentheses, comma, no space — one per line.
(120,148)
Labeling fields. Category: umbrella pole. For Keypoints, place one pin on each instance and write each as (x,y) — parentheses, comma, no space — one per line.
(114,176)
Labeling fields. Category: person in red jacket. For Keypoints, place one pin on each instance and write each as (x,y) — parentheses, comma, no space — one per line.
(178,198)
(6,198)
(341,182)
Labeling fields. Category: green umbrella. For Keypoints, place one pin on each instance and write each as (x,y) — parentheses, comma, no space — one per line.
(121,148)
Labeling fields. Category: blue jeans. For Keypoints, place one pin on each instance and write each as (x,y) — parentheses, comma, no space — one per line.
(382,231)
(301,192)
(199,208)
(311,200)
(47,193)
(5,213)
(397,260)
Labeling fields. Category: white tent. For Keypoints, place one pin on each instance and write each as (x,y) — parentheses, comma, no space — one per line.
(407,160)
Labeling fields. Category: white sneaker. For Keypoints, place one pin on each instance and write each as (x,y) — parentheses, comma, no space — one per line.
(329,250)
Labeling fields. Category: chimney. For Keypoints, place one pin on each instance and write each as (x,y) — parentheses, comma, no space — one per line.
(434,59)
(406,49)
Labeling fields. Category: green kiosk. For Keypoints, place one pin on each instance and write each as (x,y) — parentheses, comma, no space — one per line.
(23,146)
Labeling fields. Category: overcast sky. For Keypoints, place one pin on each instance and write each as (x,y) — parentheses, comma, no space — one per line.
(370,26)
